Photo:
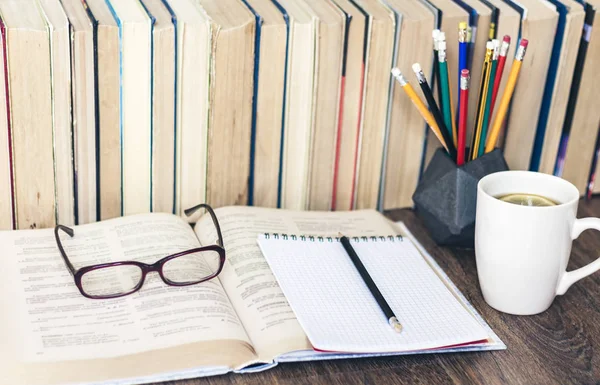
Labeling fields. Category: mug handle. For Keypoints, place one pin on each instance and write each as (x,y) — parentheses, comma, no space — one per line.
(570,277)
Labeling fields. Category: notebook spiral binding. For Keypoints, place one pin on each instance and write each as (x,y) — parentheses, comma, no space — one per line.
(312,238)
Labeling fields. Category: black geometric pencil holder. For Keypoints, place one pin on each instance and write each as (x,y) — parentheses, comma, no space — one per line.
(446,196)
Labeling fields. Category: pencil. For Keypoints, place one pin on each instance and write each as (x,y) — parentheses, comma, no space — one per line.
(452,115)
(433,107)
(507,96)
(492,34)
(504,47)
(465,78)
(483,88)
(410,92)
(446,103)
(488,99)
(385,307)
(436,73)
(462,53)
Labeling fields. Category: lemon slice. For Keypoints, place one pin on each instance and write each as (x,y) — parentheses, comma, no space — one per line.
(527,200)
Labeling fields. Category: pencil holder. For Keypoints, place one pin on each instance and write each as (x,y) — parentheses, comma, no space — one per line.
(446,196)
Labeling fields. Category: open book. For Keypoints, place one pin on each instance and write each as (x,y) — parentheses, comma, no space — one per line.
(240,321)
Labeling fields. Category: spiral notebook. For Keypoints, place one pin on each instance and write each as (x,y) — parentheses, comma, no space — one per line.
(338,312)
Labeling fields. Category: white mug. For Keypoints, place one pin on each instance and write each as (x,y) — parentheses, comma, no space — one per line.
(522,252)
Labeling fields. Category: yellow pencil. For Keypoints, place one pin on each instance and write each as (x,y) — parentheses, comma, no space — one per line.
(410,92)
(483,91)
(506,97)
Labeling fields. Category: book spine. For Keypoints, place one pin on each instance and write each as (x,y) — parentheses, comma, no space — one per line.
(575,86)
(340,114)
(257,35)
(549,88)
(592,175)
(9,125)
(286,18)
(94,22)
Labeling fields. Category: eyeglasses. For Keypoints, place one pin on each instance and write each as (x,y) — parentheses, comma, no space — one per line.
(118,279)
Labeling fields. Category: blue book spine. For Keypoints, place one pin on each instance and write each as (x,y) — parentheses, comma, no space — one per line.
(120,25)
(152,22)
(175,100)
(540,134)
(286,18)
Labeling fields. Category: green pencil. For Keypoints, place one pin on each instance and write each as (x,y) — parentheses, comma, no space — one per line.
(444,79)
(488,101)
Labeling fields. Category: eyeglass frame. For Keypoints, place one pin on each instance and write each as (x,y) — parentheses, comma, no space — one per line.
(144,267)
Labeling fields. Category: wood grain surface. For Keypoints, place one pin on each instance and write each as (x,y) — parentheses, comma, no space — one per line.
(555,347)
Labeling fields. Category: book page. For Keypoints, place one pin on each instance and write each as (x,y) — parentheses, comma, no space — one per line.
(51,321)
(247,278)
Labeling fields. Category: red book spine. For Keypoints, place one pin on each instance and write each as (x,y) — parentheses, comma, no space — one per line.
(10,143)
(338,143)
(358,134)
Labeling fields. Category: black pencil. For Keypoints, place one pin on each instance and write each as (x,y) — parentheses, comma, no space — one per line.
(435,111)
(387,310)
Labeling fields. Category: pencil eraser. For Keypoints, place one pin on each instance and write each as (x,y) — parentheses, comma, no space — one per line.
(416,67)
(506,39)
(489,45)
(464,73)
(396,72)
(524,43)
(462,25)
(435,33)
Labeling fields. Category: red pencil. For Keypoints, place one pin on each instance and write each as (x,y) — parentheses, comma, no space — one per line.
(501,62)
(465,77)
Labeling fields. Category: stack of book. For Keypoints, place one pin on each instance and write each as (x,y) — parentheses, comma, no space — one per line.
(116,107)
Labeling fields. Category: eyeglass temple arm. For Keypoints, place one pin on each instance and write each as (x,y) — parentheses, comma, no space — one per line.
(189,212)
(70,232)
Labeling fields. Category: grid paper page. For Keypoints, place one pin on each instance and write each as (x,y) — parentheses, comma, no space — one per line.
(338,312)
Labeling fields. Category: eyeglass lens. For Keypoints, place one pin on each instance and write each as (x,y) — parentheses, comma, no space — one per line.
(122,279)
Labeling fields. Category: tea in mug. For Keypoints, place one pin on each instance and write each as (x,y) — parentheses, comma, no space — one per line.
(522,199)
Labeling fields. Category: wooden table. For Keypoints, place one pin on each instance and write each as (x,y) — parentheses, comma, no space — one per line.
(556,347)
